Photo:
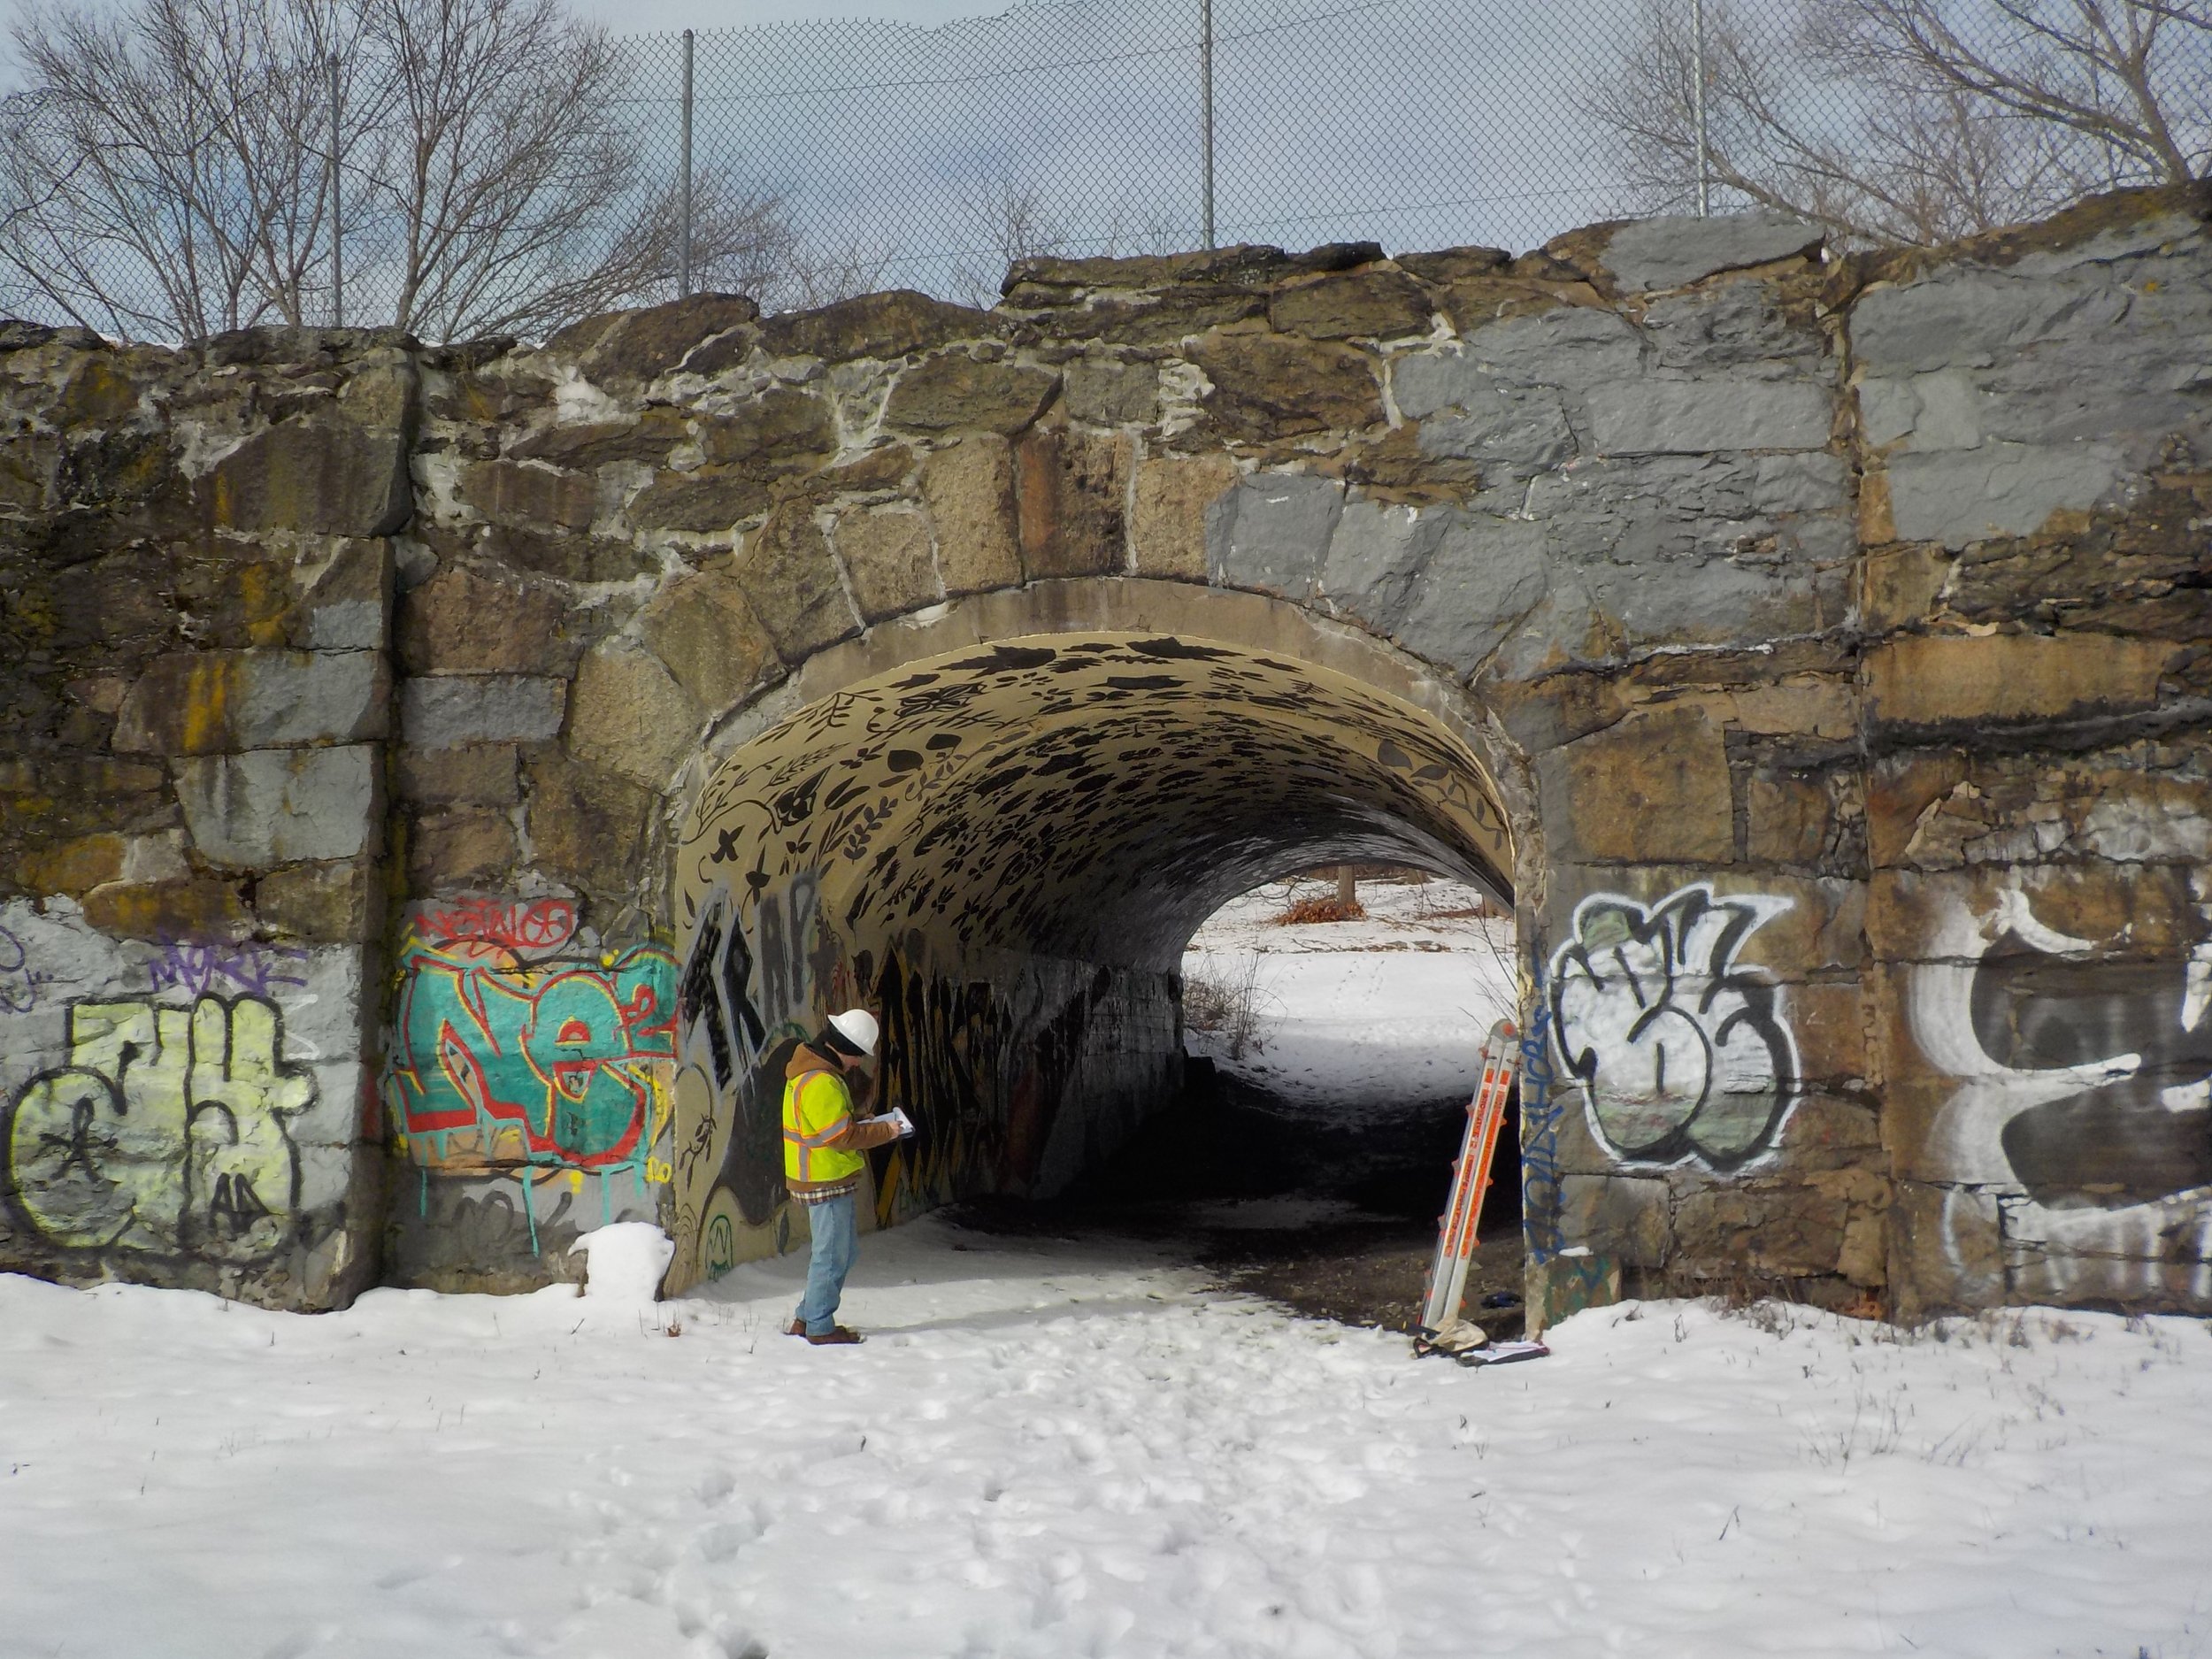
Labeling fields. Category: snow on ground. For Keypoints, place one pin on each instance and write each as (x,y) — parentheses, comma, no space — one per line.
(1364,1015)
(1049,1449)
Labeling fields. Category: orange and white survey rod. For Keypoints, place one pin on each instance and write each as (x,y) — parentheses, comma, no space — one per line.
(1470,1180)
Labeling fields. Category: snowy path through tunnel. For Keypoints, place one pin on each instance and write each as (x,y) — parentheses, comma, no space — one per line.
(1004,849)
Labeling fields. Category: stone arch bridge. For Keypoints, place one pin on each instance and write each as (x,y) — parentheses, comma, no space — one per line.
(438,779)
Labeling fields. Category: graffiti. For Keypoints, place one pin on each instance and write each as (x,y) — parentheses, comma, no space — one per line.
(2084,1109)
(1540,1113)
(929,799)
(740,1012)
(211,970)
(164,1133)
(2130,1040)
(950,843)
(517,924)
(496,1064)
(1682,1053)
(720,1250)
(19,982)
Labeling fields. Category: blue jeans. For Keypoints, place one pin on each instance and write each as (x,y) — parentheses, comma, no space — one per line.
(835,1224)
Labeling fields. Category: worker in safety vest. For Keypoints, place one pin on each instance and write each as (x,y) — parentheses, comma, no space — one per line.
(823,1140)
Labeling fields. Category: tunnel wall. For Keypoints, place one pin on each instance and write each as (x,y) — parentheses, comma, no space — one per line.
(1830,629)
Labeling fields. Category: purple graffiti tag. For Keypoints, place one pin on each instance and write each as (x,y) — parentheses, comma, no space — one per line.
(253,970)
(18,980)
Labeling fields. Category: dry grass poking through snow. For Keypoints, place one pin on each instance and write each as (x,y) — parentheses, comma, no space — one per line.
(1321,908)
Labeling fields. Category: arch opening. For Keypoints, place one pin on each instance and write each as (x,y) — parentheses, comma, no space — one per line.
(1004,848)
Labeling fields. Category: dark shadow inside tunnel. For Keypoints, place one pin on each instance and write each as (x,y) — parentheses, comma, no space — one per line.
(1326,1200)
(1002,850)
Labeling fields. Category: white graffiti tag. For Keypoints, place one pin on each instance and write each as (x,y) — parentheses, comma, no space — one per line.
(1682,1053)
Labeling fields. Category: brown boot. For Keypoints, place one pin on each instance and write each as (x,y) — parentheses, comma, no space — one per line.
(836,1334)
(797,1327)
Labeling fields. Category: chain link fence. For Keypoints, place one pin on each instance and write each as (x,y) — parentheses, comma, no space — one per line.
(933,158)
(803,161)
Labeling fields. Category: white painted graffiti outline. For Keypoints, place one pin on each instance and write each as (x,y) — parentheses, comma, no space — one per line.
(1682,1052)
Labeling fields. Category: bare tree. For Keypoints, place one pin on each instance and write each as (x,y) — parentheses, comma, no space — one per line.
(170,175)
(170,142)
(1913,120)
(1010,223)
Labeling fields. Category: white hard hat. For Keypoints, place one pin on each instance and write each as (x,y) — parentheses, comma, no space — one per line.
(858,1027)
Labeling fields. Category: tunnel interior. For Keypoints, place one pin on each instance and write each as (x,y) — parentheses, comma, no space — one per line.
(1003,851)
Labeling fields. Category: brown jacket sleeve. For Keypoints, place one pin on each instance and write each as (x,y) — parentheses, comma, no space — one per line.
(863,1133)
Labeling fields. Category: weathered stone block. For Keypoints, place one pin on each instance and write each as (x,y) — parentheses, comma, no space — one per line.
(588,826)
(319,903)
(593,444)
(1173,498)
(511,492)
(1946,1251)
(1655,787)
(628,715)
(1618,1217)
(1376,304)
(454,847)
(462,621)
(792,583)
(952,392)
(885,325)
(1107,394)
(969,490)
(193,907)
(887,558)
(711,501)
(318,476)
(1268,386)
(74,866)
(1674,251)
(1272,532)
(642,345)
(575,558)
(480,774)
(1687,417)
(1511,431)
(783,425)
(204,702)
(704,631)
(2124,908)
(1806,820)
(1767,1229)
(446,711)
(1069,490)
(1944,680)
(1483,577)
(279,806)
(345,602)
(2000,489)
(1572,346)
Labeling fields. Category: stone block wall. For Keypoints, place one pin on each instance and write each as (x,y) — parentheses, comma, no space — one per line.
(1824,635)
(198,578)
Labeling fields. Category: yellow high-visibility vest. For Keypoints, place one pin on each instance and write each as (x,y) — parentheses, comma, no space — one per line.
(817,1108)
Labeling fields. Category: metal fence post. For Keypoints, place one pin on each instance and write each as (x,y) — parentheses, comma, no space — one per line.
(1697,93)
(683,274)
(337,236)
(1206,93)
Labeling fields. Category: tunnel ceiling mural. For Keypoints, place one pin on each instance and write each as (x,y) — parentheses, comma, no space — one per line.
(1054,814)
(1094,797)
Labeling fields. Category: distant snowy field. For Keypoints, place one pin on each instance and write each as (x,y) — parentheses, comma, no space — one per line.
(1362,1015)
(1047,1451)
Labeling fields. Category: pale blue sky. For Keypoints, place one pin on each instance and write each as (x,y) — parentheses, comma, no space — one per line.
(642,17)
